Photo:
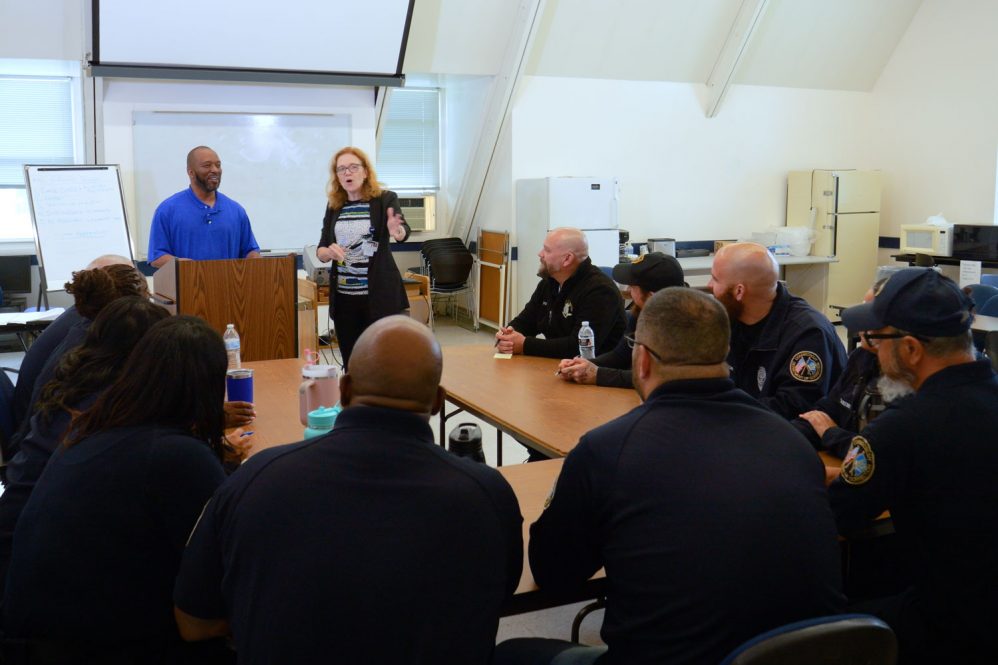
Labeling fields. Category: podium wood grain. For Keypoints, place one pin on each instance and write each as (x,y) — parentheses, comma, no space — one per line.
(258,295)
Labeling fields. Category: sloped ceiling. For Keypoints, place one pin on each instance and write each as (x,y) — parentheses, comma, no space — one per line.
(839,45)
(830,44)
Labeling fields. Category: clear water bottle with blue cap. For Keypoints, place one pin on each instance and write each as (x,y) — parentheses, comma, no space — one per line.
(587,342)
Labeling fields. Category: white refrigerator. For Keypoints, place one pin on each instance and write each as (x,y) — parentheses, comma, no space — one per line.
(843,208)
(542,204)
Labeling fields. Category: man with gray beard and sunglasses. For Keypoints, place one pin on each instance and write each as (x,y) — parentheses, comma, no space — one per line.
(932,461)
(861,394)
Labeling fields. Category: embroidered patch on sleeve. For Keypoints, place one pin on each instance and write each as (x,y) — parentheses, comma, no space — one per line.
(858,465)
(806,366)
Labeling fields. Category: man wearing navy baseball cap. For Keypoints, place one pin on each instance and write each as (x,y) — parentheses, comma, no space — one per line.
(932,461)
(649,273)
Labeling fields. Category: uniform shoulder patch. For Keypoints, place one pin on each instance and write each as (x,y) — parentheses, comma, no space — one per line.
(806,366)
(858,465)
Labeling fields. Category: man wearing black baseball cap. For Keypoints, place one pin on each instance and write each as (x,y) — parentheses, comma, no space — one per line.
(932,461)
(643,277)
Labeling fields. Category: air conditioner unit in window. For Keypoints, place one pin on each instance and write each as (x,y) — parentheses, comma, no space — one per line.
(420,212)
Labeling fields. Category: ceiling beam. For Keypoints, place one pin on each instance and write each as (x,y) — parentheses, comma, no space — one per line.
(496,116)
(721,76)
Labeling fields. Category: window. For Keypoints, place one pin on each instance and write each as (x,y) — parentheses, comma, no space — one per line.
(36,127)
(409,153)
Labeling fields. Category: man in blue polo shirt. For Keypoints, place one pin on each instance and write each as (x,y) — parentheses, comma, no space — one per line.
(201,222)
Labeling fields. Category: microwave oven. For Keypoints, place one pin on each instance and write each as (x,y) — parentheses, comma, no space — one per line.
(931,239)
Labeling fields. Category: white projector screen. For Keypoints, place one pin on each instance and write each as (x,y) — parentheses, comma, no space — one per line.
(314,36)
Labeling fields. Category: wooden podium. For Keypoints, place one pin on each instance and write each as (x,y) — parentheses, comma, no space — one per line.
(259,296)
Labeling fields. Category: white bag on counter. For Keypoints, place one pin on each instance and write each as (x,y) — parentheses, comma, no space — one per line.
(786,240)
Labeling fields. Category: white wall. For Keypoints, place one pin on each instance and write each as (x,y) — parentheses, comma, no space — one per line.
(684,175)
(46,29)
(122,97)
(936,116)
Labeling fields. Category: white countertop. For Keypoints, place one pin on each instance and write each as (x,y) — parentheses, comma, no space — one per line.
(695,264)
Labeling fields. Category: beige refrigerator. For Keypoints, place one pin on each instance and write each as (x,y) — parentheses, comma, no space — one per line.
(843,208)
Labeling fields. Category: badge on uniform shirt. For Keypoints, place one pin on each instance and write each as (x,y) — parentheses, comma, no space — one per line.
(760,378)
(566,311)
(857,467)
(805,366)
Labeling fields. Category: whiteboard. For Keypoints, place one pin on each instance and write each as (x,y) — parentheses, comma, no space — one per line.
(78,214)
(274,164)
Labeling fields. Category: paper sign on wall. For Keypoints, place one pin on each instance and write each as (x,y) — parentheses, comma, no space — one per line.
(970,273)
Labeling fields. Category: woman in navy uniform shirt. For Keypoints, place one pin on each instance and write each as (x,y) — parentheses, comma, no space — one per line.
(98,545)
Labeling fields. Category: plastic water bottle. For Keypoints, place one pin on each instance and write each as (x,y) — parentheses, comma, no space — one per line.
(587,342)
(321,420)
(231,339)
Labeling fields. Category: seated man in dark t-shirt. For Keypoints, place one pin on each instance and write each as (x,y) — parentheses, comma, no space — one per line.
(370,544)
(572,290)
(707,510)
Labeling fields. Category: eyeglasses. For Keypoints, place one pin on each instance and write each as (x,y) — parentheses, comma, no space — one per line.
(873,339)
(631,342)
(349,168)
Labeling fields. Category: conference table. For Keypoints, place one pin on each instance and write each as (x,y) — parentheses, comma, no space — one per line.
(521,396)
(276,400)
(984,324)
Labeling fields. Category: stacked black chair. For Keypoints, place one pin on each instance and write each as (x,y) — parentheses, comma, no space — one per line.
(449,264)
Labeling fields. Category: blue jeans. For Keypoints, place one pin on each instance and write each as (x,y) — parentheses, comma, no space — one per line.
(543,651)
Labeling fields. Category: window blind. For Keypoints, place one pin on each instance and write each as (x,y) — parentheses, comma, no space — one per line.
(409,154)
(36,124)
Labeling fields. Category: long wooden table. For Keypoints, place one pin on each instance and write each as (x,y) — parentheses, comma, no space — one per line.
(522,397)
(532,484)
(984,324)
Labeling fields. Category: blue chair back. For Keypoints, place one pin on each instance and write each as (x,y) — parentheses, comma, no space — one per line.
(990,308)
(981,293)
(841,639)
(990,279)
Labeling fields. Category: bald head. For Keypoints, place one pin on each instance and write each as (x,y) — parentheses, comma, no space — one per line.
(109,260)
(568,239)
(563,250)
(192,156)
(744,277)
(749,263)
(396,364)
